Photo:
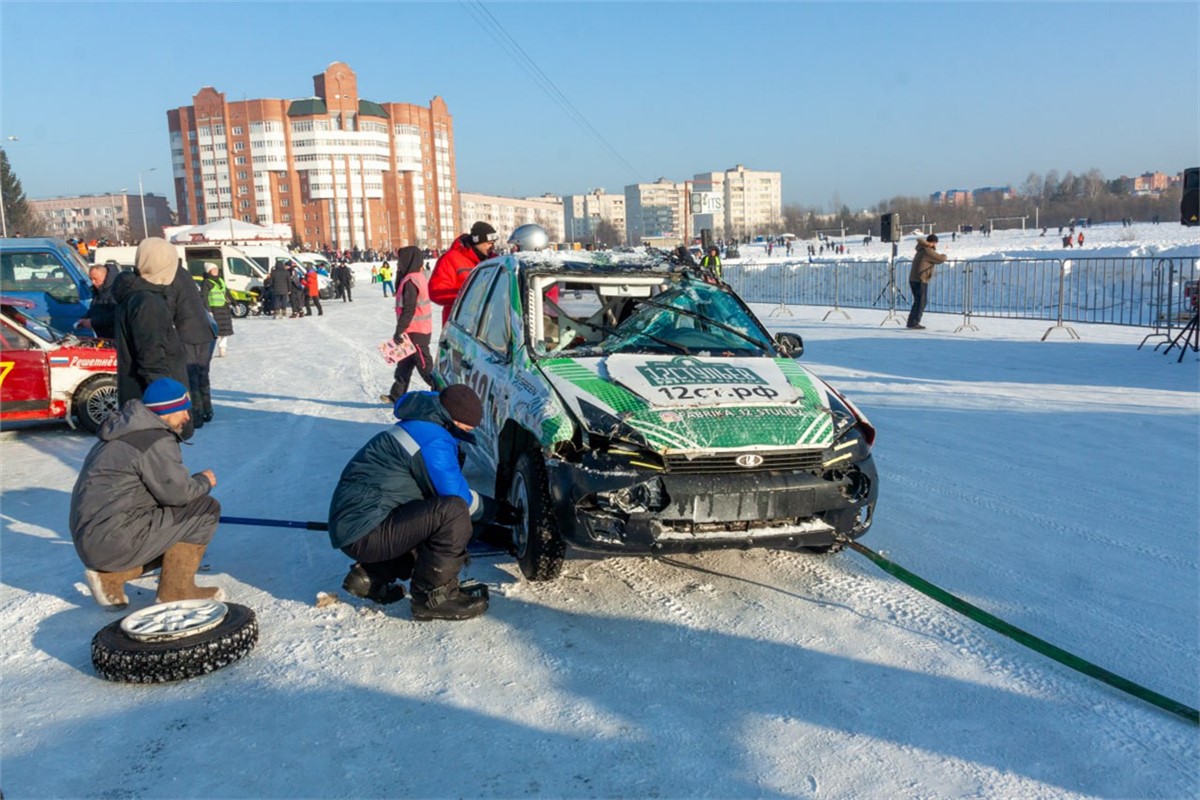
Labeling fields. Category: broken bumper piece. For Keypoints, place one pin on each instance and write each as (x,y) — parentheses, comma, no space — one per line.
(658,512)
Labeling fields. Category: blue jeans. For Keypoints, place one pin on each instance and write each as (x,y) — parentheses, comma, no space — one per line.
(920,293)
(388,287)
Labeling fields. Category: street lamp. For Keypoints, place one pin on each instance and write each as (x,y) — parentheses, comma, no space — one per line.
(112,208)
(142,197)
(3,216)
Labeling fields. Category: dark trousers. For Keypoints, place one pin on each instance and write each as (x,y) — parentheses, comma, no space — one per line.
(424,539)
(920,294)
(199,358)
(346,288)
(311,299)
(419,360)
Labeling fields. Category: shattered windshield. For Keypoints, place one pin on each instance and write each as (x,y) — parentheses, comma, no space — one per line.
(689,317)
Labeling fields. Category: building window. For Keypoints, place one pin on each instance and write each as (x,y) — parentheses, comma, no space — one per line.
(237,131)
(283,203)
(242,175)
(239,160)
(243,190)
(283,187)
(239,146)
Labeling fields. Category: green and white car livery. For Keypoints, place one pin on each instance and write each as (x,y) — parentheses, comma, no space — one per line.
(632,406)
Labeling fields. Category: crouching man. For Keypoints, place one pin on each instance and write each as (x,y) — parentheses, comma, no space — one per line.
(135,508)
(402,507)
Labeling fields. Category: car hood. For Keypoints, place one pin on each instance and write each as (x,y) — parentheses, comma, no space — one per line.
(692,403)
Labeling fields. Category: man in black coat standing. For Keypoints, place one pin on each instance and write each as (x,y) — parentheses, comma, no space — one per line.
(101,316)
(198,337)
(148,346)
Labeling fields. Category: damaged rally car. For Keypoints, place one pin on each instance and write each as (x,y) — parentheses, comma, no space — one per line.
(46,374)
(634,405)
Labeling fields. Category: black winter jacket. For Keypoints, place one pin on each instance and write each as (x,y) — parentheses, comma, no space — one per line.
(148,346)
(191,317)
(103,310)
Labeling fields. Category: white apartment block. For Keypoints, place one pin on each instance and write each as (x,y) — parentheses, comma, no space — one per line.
(506,214)
(751,201)
(657,210)
(583,213)
(116,216)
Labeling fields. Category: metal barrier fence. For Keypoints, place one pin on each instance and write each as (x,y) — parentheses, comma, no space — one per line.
(1141,291)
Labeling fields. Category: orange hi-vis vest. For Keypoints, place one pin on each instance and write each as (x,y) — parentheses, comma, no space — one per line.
(422,319)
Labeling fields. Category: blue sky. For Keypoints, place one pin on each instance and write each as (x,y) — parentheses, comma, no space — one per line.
(853,102)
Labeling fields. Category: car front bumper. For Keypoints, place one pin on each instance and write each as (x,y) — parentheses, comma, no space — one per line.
(643,512)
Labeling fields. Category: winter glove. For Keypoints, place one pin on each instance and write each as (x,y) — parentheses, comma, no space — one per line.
(508,514)
(398,337)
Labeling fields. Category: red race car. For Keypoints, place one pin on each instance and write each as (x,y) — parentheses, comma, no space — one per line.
(46,374)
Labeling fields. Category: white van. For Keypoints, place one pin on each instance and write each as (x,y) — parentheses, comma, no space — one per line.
(267,255)
(243,277)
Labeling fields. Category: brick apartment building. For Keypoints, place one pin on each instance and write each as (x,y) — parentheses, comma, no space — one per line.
(340,169)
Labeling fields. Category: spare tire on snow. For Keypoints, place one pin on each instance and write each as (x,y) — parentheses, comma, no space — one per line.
(119,656)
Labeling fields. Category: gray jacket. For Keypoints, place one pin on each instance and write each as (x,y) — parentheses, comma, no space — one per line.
(128,481)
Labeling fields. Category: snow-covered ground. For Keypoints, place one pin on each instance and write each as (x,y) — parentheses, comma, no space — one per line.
(1052,483)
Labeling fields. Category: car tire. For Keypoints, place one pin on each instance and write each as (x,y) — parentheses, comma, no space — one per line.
(118,657)
(538,543)
(239,309)
(94,401)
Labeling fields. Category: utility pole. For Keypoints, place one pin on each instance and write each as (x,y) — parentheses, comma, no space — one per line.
(142,197)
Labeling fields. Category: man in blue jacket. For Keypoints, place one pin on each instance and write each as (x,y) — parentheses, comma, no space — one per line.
(403,508)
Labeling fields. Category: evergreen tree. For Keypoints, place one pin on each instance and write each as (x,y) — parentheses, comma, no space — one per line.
(18,217)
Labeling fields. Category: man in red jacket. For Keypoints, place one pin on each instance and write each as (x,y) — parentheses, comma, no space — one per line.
(312,292)
(452,269)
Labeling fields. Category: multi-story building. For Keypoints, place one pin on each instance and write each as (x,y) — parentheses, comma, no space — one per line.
(116,216)
(992,194)
(583,213)
(505,214)
(750,202)
(656,210)
(342,170)
(951,197)
(1150,182)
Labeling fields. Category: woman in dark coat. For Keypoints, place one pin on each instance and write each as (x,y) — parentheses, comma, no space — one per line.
(219,302)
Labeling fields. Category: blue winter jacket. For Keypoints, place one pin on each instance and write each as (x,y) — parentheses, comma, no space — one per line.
(414,460)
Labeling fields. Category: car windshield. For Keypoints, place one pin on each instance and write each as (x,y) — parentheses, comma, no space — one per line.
(689,317)
(36,325)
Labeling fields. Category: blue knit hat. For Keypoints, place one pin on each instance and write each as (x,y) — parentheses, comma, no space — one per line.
(166,396)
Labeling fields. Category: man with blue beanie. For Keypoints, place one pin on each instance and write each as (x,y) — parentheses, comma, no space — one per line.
(402,507)
(135,508)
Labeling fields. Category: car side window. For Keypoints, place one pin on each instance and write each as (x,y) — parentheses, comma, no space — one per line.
(470,302)
(494,330)
(238,266)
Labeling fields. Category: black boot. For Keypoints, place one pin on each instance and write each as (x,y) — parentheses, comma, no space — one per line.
(446,602)
(361,584)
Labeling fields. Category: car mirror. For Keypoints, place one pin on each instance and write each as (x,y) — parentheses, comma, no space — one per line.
(790,343)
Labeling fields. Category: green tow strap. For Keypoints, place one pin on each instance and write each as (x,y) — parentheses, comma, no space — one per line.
(1028,639)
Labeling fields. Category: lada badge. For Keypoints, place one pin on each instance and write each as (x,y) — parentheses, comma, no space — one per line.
(749,460)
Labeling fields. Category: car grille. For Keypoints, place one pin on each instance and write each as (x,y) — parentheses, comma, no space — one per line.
(781,461)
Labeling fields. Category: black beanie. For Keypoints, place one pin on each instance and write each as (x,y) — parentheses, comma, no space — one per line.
(932,238)
(482,232)
(462,403)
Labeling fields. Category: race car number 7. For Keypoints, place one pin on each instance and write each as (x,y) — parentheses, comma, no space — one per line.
(5,368)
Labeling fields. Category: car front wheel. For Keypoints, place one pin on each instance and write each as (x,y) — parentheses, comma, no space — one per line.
(239,309)
(94,401)
(537,540)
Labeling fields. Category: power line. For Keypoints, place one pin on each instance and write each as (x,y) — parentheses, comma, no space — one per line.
(478,12)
